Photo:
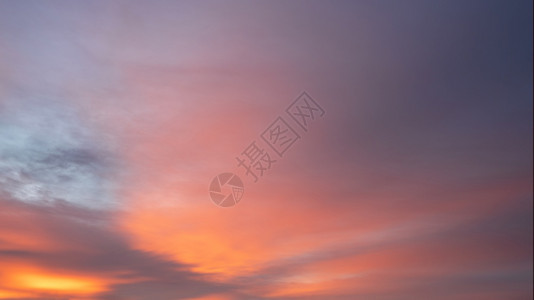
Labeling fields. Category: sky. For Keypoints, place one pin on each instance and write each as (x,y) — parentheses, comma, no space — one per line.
(411,179)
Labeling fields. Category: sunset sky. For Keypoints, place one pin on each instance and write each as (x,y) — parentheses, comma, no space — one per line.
(415,183)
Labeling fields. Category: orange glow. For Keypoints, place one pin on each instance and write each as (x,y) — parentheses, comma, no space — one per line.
(5,294)
(19,280)
(203,247)
(58,283)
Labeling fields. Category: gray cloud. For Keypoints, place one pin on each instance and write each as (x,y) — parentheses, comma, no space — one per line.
(47,153)
(105,252)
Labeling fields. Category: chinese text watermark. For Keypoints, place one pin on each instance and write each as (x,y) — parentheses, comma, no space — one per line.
(256,159)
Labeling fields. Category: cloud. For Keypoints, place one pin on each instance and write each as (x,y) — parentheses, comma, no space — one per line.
(47,154)
(82,245)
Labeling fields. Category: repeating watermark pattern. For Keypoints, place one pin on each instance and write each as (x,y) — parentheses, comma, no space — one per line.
(255,159)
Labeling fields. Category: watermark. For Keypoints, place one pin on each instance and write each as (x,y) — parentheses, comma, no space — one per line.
(226,189)
(255,160)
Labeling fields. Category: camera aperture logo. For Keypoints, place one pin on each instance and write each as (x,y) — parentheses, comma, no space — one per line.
(227,189)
